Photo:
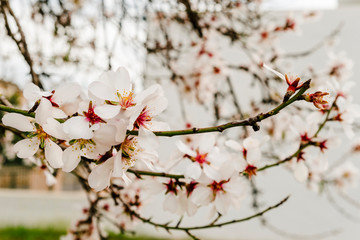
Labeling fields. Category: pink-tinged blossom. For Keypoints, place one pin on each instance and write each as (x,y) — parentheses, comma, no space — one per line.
(318,165)
(177,195)
(65,93)
(133,149)
(318,98)
(345,175)
(42,133)
(251,155)
(112,92)
(347,113)
(223,193)
(202,156)
(292,81)
(101,142)
(82,126)
(151,103)
(299,168)
(340,67)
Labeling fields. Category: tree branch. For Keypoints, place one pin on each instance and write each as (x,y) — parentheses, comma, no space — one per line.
(21,43)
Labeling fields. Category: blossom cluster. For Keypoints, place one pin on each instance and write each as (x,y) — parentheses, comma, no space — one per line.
(69,127)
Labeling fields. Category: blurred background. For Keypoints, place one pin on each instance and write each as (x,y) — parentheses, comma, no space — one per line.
(101,36)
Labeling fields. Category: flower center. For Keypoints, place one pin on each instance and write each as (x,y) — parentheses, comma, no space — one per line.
(217,186)
(91,116)
(191,187)
(250,170)
(83,143)
(40,134)
(126,99)
(129,150)
(143,118)
(199,158)
(171,187)
(305,138)
(54,104)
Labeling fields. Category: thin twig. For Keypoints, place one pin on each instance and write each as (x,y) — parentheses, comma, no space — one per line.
(317,46)
(21,43)
(167,227)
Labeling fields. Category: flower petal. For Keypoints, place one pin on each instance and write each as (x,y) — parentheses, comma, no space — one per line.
(71,158)
(43,112)
(158,126)
(32,92)
(280,75)
(118,165)
(107,111)
(193,171)
(185,149)
(251,143)
(55,129)
(126,179)
(18,121)
(207,142)
(103,91)
(157,105)
(77,127)
(106,135)
(222,203)
(49,178)
(301,172)
(211,172)
(170,203)
(147,139)
(234,145)
(67,92)
(53,154)
(27,147)
(202,196)
(121,80)
(99,177)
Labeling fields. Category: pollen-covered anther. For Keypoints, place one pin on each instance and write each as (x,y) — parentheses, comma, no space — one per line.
(250,170)
(191,187)
(171,187)
(322,145)
(199,158)
(143,118)
(305,138)
(126,99)
(217,186)
(318,99)
(300,156)
(129,150)
(91,116)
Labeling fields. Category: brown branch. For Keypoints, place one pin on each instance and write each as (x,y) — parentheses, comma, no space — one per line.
(186,229)
(193,17)
(6,9)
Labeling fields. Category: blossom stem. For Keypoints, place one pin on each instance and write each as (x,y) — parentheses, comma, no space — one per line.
(247,122)
(155,174)
(326,118)
(15,110)
(167,227)
(302,146)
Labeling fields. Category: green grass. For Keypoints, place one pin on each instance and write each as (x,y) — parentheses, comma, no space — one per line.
(24,233)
